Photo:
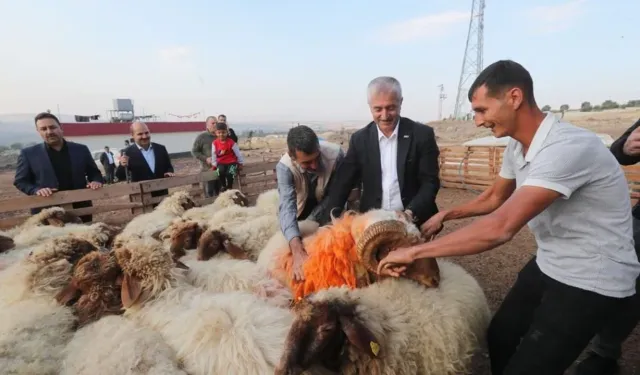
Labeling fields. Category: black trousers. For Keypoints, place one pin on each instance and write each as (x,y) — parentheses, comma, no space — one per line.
(543,325)
(224,177)
(109,171)
(608,342)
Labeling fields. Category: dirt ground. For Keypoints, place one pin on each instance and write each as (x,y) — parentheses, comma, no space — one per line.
(495,270)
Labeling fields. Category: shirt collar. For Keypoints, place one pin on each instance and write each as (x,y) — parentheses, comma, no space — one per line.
(538,138)
(394,134)
(64,145)
(142,149)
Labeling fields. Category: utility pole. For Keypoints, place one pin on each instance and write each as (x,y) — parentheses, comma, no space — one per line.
(441,99)
(472,62)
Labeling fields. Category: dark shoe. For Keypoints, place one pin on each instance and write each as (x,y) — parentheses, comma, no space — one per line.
(597,365)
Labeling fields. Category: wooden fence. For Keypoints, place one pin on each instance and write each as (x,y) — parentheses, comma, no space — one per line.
(477,167)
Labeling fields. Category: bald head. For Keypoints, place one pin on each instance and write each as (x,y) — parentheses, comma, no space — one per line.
(141,135)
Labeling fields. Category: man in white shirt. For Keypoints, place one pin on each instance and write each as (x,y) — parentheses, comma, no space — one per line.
(565,184)
(108,163)
(393,158)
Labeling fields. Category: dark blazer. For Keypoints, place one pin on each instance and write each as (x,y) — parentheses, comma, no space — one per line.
(418,170)
(139,168)
(104,159)
(34,171)
(617,151)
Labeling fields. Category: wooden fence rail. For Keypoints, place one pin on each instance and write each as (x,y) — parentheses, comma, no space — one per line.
(460,167)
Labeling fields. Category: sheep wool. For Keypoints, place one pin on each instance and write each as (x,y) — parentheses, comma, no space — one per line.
(395,326)
(333,254)
(116,345)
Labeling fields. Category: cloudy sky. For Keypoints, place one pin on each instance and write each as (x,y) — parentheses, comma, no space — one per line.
(301,60)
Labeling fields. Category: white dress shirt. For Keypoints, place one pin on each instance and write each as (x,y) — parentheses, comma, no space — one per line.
(391,197)
(110,158)
(149,156)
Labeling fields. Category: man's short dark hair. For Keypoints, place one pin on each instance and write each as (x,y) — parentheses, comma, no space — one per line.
(503,75)
(302,138)
(44,115)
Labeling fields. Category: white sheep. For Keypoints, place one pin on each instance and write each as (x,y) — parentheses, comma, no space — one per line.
(394,326)
(34,328)
(116,345)
(278,243)
(152,223)
(52,216)
(229,198)
(266,204)
(212,333)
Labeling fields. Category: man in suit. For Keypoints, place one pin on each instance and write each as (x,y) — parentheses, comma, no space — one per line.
(146,160)
(108,163)
(56,165)
(394,158)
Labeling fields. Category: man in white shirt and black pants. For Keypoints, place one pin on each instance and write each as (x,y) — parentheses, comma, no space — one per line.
(566,185)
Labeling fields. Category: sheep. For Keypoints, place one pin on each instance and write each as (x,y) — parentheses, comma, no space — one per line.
(54,216)
(100,234)
(185,231)
(278,244)
(94,292)
(153,223)
(116,345)
(395,326)
(43,272)
(248,237)
(227,333)
(347,251)
(220,275)
(229,198)
(34,329)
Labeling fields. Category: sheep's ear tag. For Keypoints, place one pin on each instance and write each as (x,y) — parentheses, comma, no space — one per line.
(131,290)
(375,348)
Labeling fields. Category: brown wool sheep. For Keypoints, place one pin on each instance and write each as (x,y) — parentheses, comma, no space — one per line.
(214,241)
(94,290)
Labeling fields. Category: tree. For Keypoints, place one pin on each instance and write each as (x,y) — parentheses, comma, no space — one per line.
(586,107)
(546,108)
(609,104)
(564,107)
(16,146)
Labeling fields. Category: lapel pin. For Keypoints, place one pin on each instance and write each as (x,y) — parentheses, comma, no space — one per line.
(406,136)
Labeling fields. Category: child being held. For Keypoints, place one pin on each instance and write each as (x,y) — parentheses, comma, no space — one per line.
(225,156)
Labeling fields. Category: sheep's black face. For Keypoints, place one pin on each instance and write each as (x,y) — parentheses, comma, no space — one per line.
(319,335)
(184,238)
(6,243)
(240,199)
(188,203)
(72,218)
(210,244)
(80,249)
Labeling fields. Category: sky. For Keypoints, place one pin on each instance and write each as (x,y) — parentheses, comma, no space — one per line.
(286,60)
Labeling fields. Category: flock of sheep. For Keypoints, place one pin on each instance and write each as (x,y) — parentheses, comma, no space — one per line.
(206,290)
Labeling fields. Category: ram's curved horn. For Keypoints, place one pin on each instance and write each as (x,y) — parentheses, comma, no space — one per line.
(384,236)
(378,239)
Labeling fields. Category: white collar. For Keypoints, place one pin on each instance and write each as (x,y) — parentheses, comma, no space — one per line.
(142,149)
(538,138)
(394,134)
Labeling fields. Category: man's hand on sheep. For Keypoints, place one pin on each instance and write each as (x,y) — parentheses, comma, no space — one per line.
(169,174)
(299,258)
(46,192)
(93,185)
(396,262)
(433,226)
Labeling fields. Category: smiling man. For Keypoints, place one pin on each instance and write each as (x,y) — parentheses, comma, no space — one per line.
(303,174)
(563,181)
(394,158)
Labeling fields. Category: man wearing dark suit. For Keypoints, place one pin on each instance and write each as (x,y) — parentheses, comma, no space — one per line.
(146,160)
(56,165)
(108,163)
(394,158)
